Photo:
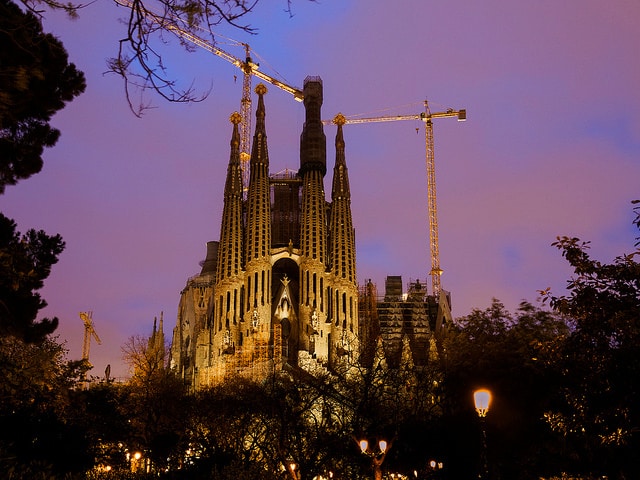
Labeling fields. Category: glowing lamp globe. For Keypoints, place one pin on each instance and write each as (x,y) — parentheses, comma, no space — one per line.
(482,400)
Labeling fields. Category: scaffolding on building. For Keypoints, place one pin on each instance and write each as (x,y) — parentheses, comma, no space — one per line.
(285,208)
(368,321)
(257,359)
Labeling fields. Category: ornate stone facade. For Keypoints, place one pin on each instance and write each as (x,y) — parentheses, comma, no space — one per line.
(280,286)
(281,283)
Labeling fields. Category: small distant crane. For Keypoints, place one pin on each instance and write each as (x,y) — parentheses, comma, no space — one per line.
(89,331)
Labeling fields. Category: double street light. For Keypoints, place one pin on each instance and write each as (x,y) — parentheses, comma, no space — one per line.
(377,456)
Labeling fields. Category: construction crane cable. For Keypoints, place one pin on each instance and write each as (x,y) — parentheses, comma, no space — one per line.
(271,67)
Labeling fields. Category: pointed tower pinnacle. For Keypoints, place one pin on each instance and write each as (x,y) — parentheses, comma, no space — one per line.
(257,265)
(342,248)
(229,257)
(160,334)
(258,200)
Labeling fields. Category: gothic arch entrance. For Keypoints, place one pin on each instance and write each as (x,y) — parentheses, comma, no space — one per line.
(285,288)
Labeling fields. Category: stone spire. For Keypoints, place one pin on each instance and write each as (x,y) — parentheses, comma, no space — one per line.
(229,258)
(342,248)
(258,225)
(155,344)
(259,203)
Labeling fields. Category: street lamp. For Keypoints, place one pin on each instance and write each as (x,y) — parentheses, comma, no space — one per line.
(434,470)
(135,461)
(377,456)
(482,401)
(292,468)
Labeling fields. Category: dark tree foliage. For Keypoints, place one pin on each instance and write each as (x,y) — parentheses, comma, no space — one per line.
(155,403)
(401,404)
(42,434)
(36,80)
(25,262)
(225,432)
(505,353)
(258,428)
(106,414)
(599,409)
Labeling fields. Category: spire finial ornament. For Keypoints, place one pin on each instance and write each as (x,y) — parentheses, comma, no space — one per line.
(261,89)
(235,118)
(339,119)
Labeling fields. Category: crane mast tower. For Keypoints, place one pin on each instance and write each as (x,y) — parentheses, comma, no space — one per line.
(89,332)
(248,67)
(427,117)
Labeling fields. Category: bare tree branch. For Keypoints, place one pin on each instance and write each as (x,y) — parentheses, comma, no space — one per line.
(139,61)
(139,58)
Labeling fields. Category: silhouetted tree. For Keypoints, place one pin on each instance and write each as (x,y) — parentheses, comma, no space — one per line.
(105,410)
(42,434)
(156,405)
(25,262)
(36,81)
(225,430)
(261,428)
(506,353)
(599,411)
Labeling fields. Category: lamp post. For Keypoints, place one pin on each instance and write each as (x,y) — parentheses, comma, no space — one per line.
(434,469)
(292,466)
(377,456)
(135,462)
(482,401)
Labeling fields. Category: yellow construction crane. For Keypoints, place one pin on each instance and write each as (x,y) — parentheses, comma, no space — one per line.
(89,331)
(427,117)
(248,67)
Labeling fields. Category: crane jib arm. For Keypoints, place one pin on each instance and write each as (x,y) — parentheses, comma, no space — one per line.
(427,116)
(246,66)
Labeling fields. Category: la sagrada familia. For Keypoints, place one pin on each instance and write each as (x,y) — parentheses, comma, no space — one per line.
(279,287)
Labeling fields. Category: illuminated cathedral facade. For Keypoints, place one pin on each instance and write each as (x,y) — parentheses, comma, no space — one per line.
(279,287)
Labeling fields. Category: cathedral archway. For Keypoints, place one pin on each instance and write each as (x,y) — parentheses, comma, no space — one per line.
(285,288)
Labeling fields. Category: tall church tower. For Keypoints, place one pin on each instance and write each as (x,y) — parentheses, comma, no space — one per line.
(279,287)
(313,234)
(257,281)
(228,287)
(342,247)
(283,289)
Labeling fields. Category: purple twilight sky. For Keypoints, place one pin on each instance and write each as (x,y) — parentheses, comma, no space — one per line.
(551,147)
